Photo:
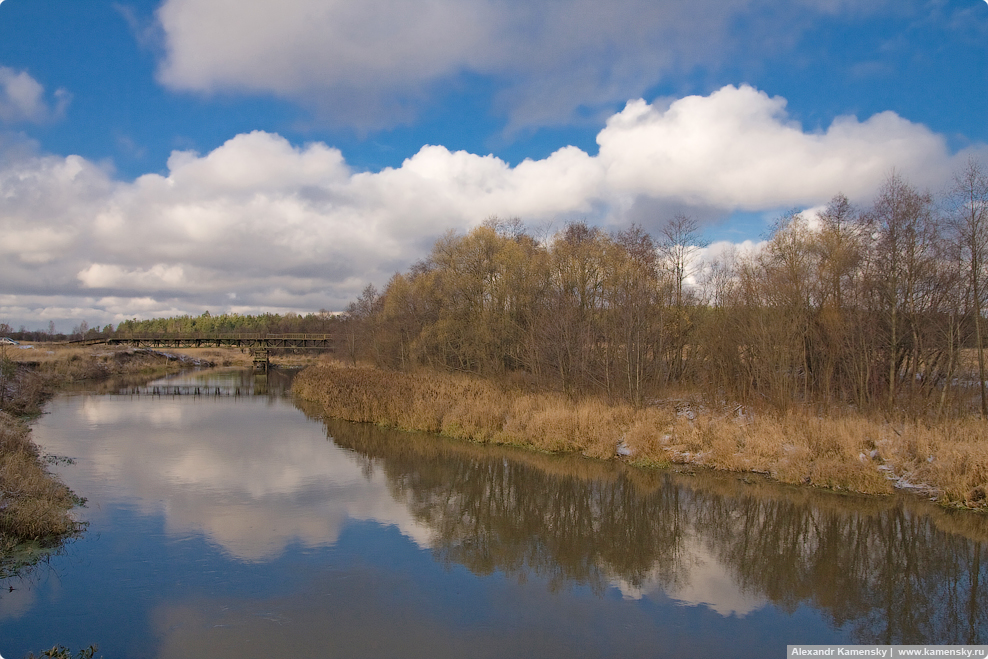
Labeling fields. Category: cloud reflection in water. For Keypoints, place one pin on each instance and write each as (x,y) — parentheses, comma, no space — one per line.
(221,468)
(254,478)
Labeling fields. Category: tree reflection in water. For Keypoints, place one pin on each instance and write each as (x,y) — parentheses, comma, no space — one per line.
(890,571)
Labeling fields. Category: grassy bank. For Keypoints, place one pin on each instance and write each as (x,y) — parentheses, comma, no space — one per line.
(237,358)
(31,376)
(948,460)
(34,505)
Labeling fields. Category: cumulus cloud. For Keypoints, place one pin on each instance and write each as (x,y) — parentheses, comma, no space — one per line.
(22,99)
(275,226)
(737,149)
(371,63)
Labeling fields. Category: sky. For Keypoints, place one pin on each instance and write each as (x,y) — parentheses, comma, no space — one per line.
(176,156)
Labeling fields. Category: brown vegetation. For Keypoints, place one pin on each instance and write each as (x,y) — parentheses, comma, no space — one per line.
(948,460)
(33,504)
(68,363)
(866,309)
(847,353)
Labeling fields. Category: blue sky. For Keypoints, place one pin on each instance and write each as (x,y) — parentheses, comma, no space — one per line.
(182,155)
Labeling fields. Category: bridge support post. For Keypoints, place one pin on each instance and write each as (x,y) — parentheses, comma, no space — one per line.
(261,361)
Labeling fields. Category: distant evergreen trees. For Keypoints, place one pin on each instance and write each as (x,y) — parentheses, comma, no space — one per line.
(231,323)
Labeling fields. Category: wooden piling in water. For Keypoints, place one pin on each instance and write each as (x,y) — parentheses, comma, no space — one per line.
(261,361)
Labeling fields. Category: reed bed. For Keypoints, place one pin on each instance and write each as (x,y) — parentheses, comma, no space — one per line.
(466,407)
(947,461)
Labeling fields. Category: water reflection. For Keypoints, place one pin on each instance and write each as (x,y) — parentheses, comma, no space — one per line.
(273,384)
(253,481)
(590,547)
(889,570)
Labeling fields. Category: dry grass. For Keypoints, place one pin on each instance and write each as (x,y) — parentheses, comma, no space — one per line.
(238,358)
(648,480)
(854,453)
(49,354)
(33,504)
(227,357)
(73,363)
(948,460)
(466,407)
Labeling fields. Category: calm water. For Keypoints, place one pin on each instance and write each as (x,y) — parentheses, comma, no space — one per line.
(234,525)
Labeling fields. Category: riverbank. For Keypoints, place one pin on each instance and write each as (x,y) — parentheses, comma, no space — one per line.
(947,461)
(34,505)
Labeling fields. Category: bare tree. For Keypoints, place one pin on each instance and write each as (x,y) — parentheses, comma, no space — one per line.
(903,255)
(968,201)
(839,324)
(357,319)
(635,309)
(681,240)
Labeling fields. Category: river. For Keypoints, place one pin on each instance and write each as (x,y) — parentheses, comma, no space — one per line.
(224,521)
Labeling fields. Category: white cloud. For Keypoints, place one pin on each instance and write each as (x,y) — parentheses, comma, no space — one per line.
(158,277)
(372,63)
(737,149)
(294,228)
(22,98)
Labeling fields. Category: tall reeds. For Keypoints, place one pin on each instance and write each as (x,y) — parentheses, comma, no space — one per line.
(465,407)
(856,453)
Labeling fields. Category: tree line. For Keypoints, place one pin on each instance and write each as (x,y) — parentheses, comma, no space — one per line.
(880,308)
(322,322)
(80,331)
(231,323)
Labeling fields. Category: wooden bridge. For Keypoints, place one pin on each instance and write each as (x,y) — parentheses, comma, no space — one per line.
(258,345)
